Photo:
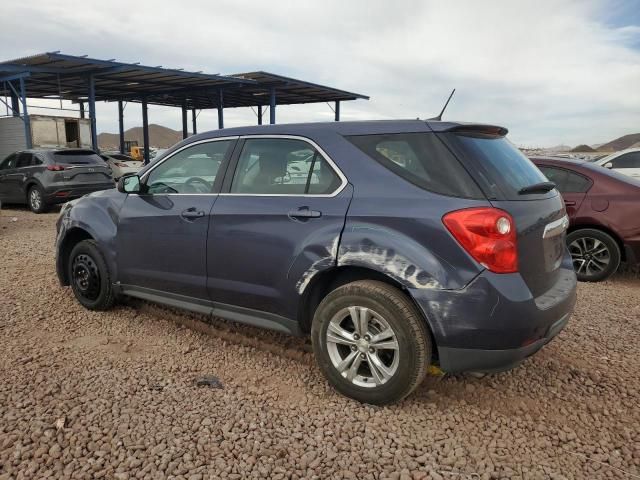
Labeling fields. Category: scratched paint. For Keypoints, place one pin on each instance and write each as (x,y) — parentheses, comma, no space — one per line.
(319,265)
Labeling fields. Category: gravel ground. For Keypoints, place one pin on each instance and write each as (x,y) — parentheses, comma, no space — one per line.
(113,395)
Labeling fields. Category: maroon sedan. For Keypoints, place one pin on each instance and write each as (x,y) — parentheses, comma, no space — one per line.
(604,213)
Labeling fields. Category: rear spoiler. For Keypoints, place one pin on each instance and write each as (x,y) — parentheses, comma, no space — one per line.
(471,129)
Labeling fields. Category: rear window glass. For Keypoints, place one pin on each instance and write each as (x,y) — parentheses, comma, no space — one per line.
(502,168)
(421,159)
(77,157)
(567,182)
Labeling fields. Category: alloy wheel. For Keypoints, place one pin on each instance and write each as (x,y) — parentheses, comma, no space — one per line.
(35,199)
(86,277)
(362,346)
(590,256)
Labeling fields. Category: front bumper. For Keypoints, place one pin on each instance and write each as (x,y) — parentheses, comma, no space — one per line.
(63,194)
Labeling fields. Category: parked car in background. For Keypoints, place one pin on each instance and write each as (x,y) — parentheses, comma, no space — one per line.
(121,164)
(408,243)
(603,208)
(41,178)
(626,162)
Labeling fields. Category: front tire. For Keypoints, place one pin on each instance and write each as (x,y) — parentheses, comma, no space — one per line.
(89,276)
(370,342)
(35,199)
(595,254)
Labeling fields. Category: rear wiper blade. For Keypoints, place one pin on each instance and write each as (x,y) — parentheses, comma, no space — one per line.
(542,187)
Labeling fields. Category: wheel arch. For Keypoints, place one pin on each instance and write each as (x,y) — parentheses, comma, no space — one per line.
(74,236)
(328,280)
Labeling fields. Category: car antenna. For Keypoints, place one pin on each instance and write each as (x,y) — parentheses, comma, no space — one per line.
(439,117)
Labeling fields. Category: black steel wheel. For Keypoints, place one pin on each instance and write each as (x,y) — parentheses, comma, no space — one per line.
(89,276)
(595,254)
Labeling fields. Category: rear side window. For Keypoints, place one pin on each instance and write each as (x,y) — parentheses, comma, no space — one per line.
(421,159)
(77,157)
(24,160)
(502,169)
(279,166)
(566,181)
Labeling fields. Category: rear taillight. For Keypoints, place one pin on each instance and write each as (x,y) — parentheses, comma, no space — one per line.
(488,235)
(55,168)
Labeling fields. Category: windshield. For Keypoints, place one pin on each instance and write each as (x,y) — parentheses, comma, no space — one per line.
(503,169)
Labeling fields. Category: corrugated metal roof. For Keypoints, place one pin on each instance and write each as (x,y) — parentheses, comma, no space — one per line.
(56,75)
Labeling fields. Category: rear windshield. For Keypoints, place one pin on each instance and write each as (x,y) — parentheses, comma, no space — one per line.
(501,167)
(421,159)
(77,157)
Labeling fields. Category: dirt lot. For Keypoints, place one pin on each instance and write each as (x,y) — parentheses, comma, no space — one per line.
(112,395)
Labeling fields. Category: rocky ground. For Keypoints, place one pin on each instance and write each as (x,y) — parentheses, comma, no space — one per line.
(113,395)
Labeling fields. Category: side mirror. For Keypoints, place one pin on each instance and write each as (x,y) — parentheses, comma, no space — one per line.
(608,165)
(129,184)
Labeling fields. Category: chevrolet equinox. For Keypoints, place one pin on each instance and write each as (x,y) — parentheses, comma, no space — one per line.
(393,244)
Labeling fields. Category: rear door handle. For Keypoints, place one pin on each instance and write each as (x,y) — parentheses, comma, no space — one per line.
(191,213)
(304,212)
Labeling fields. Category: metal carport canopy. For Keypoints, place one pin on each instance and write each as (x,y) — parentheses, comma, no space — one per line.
(54,75)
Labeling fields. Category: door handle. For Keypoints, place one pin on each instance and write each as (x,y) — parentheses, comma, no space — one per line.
(569,203)
(191,213)
(304,212)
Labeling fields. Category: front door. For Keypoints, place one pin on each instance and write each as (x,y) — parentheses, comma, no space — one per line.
(162,234)
(278,224)
(7,184)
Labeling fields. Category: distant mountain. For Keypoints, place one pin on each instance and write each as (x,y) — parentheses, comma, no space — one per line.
(620,143)
(583,149)
(559,148)
(159,137)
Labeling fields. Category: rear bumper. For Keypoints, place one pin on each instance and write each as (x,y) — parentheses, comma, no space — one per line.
(495,322)
(61,194)
(490,361)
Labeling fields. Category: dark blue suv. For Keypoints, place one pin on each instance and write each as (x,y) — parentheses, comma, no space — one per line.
(393,244)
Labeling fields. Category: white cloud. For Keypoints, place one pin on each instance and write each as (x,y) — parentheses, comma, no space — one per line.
(551,71)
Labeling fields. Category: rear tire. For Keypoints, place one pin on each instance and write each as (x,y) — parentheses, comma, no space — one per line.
(89,276)
(35,199)
(383,359)
(595,254)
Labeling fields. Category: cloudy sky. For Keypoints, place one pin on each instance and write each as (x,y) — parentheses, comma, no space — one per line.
(552,71)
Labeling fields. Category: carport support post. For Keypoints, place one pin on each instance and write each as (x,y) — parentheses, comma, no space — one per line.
(15,102)
(145,130)
(185,130)
(337,110)
(92,112)
(194,120)
(259,114)
(121,125)
(272,106)
(25,114)
(220,109)
(81,109)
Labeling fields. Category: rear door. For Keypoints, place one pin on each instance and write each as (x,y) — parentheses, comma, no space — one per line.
(503,172)
(162,233)
(571,185)
(278,222)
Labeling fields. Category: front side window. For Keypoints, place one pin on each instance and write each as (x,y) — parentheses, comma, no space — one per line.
(9,162)
(566,181)
(191,170)
(279,166)
(628,160)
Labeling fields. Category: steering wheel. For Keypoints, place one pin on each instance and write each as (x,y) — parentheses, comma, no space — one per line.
(199,180)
